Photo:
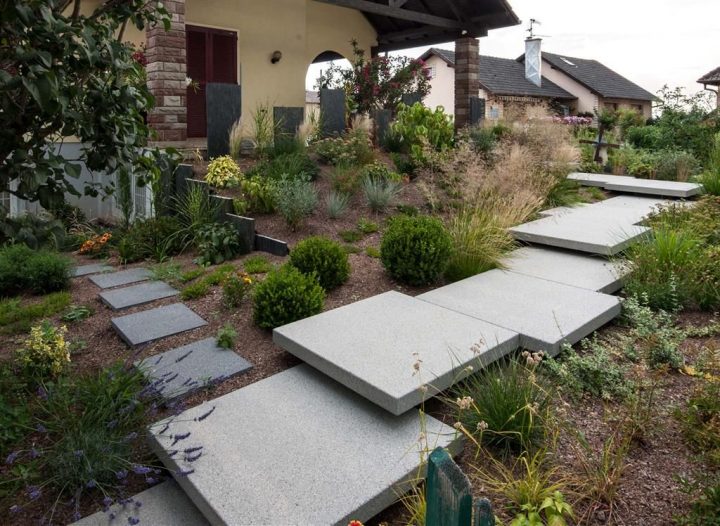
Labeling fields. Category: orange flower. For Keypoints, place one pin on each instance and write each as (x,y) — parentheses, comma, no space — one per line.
(355,523)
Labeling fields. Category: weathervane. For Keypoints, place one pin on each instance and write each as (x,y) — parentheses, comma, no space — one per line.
(531,29)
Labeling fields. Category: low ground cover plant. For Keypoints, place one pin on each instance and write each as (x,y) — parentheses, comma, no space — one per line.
(257,265)
(45,353)
(218,242)
(226,337)
(415,250)
(323,258)
(16,317)
(236,287)
(286,295)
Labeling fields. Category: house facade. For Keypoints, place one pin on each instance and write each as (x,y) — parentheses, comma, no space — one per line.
(515,87)
(712,78)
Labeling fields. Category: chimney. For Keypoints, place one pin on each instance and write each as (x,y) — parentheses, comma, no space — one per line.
(533,61)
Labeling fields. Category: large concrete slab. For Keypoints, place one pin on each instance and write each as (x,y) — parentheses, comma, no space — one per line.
(370,346)
(162,505)
(122,277)
(633,185)
(596,235)
(578,270)
(179,371)
(93,268)
(546,314)
(296,448)
(149,325)
(125,297)
(561,210)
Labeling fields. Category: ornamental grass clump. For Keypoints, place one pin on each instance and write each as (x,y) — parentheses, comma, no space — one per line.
(415,250)
(296,200)
(323,258)
(380,193)
(286,295)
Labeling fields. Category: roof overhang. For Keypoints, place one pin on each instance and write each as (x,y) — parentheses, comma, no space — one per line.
(402,24)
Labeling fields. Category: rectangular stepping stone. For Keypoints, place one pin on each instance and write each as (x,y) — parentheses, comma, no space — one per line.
(546,314)
(94,268)
(577,270)
(561,210)
(125,297)
(122,277)
(656,187)
(179,371)
(596,235)
(296,448)
(162,505)
(376,358)
(591,179)
(149,325)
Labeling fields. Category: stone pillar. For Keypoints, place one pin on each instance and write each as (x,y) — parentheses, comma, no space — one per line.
(166,73)
(467,78)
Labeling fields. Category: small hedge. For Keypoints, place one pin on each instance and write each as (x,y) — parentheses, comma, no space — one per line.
(38,271)
(286,295)
(415,250)
(323,257)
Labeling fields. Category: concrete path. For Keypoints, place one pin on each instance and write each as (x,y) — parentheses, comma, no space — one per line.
(621,183)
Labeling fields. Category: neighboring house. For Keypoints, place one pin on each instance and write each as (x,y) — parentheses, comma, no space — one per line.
(712,79)
(312,104)
(266,47)
(566,83)
(503,85)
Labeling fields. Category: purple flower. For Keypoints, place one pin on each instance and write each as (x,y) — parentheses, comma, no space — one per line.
(91,484)
(141,470)
(112,424)
(150,480)
(130,436)
(33,492)
(162,431)
(78,453)
(111,515)
(192,449)
(133,520)
(12,457)
(76,516)
(121,474)
(193,458)
(138,504)
(34,453)
(15,508)
(41,428)
(42,393)
(107,501)
(184,472)
(183,357)
(178,438)
(205,415)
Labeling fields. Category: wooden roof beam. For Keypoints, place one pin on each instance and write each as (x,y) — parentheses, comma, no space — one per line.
(396,12)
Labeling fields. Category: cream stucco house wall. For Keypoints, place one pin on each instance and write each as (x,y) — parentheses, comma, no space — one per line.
(442,85)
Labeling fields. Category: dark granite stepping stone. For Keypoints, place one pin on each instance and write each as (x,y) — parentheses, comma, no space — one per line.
(137,294)
(95,268)
(184,369)
(146,326)
(123,277)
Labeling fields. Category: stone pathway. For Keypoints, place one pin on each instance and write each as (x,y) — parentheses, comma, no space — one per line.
(150,325)
(121,277)
(621,183)
(94,268)
(122,298)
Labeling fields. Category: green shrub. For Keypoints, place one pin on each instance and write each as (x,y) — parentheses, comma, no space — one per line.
(223,172)
(404,164)
(40,272)
(192,274)
(45,353)
(676,166)
(354,149)
(235,287)
(503,405)
(286,295)
(380,193)
(16,318)
(654,334)
(35,231)
(379,171)
(226,337)
(350,236)
(296,200)
(167,271)
(336,204)
(373,252)
(218,242)
(594,372)
(195,290)
(700,421)
(324,258)
(258,196)
(296,165)
(155,238)
(257,265)
(705,507)
(415,250)
(646,137)
(77,313)
(710,179)
(366,226)
(419,126)
(627,160)
(345,178)
(14,410)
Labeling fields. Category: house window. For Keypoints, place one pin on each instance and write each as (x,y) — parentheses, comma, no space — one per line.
(4,204)
(140,200)
(494,113)
(431,72)
(611,106)
(638,107)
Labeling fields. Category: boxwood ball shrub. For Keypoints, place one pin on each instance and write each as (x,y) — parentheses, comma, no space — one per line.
(286,295)
(415,250)
(323,257)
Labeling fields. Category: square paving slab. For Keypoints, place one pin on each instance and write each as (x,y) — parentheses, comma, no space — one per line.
(371,346)
(122,277)
(162,505)
(546,314)
(149,325)
(587,272)
(125,297)
(184,369)
(95,268)
(296,448)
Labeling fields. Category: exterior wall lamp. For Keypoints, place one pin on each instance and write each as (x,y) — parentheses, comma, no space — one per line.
(275,57)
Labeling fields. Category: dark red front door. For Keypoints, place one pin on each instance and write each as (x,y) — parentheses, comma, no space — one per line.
(211,57)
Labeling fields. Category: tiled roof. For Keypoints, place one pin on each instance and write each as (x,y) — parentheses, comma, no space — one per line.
(506,76)
(597,77)
(712,77)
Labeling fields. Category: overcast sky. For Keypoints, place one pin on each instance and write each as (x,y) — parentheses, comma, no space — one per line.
(651,42)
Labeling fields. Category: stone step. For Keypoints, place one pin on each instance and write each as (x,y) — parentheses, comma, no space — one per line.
(546,314)
(578,270)
(122,277)
(135,295)
(371,346)
(162,505)
(296,448)
(147,326)
(617,183)
(94,268)
(182,370)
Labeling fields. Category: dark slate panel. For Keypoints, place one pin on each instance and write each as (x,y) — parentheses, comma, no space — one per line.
(226,207)
(411,98)
(477,110)
(288,120)
(332,111)
(223,109)
(271,246)
(246,230)
(382,119)
(182,173)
